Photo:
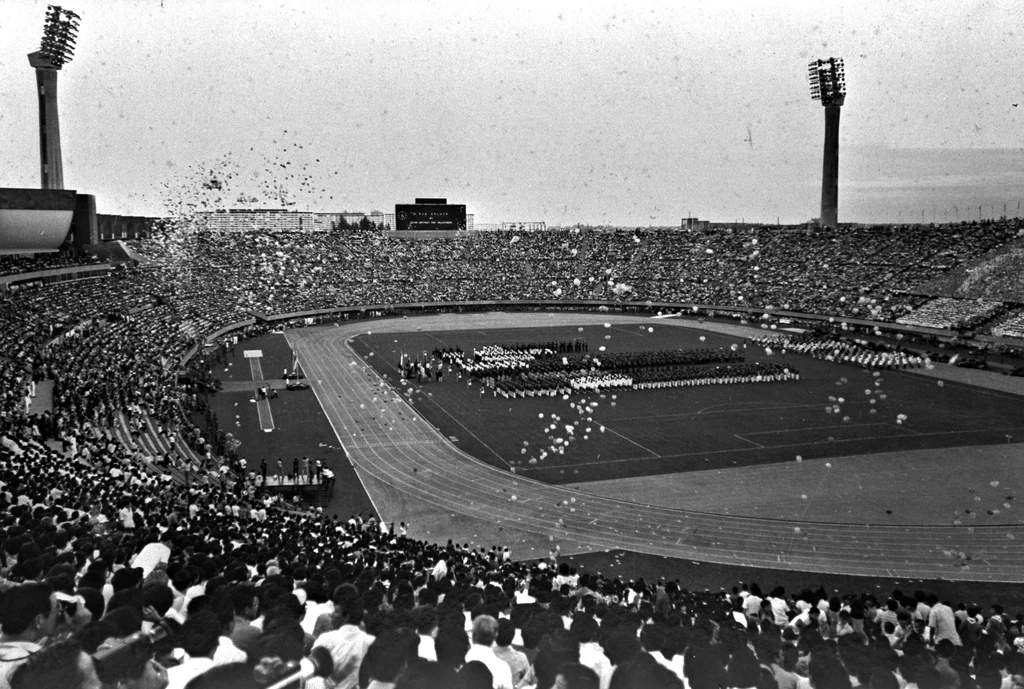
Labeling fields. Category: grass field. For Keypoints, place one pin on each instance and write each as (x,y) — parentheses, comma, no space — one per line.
(677,430)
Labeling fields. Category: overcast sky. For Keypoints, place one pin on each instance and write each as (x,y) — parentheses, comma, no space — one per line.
(633,113)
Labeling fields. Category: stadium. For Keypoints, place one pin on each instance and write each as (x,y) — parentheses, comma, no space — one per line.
(570,452)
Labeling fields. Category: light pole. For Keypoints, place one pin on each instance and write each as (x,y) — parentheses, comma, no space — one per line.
(55,51)
(828,85)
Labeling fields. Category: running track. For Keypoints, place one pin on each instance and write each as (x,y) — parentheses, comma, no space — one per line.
(388,442)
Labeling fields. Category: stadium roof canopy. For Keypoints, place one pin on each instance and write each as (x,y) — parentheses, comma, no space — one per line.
(35,220)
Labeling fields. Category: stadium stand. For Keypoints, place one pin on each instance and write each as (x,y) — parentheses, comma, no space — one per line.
(12,264)
(119,513)
(950,314)
(1010,325)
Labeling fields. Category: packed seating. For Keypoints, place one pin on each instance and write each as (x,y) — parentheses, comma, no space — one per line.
(996,275)
(1010,325)
(101,550)
(12,264)
(119,518)
(863,272)
(951,314)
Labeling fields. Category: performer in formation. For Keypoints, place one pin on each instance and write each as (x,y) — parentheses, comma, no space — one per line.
(564,367)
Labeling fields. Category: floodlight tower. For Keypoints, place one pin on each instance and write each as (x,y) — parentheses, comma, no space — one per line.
(828,84)
(56,50)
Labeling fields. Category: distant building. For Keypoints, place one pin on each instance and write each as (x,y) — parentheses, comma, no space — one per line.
(487,226)
(695,225)
(352,218)
(325,222)
(469,222)
(524,226)
(261,220)
(389,221)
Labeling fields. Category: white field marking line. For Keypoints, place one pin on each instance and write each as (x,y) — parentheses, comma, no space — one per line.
(434,337)
(707,411)
(742,406)
(907,434)
(255,369)
(262,406)
(826,428)
(748,440)
(633,333)
(654,455)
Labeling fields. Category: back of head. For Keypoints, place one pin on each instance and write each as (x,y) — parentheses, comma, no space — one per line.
(424,674)
(126,578)
(621,646)
(57,666)
(200,635)
(19,606)
(585,628)
(643,672)
(229,676)
(577,676)
(390,653)
(652,637)
(986,678)
(506,632)
(743,669)
(159,597)
(425,617)
(126,620)
(485,630)
(348,604)
(704,668)
(451,646)
(826,672)
(557,650)
(883,679)
(474,675)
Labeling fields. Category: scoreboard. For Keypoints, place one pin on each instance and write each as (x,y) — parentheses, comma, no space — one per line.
(420,217)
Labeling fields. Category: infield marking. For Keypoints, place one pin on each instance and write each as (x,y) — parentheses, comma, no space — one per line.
(262,405)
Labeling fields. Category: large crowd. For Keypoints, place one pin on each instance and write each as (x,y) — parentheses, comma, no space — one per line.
(107,542)
(100,556)
(14,264)
(863,272)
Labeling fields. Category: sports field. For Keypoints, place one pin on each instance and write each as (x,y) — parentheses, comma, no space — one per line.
(414,471)
(915,513)
(834,410)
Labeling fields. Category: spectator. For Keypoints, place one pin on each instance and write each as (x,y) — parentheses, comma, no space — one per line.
(28,615)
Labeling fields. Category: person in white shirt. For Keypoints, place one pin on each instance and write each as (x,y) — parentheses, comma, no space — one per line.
(942,622)
(200,639)
(30,614)
(485,631)
(780,608)
(426,629)
(586,631)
